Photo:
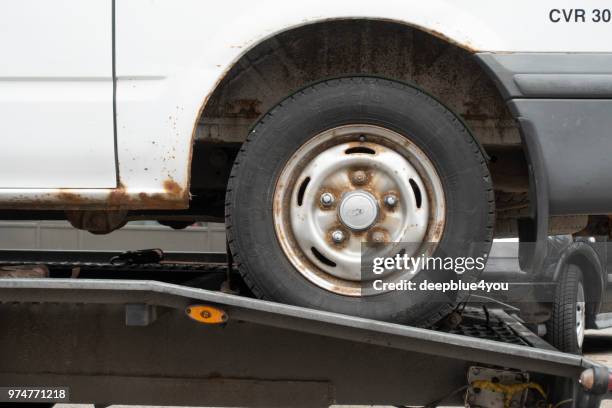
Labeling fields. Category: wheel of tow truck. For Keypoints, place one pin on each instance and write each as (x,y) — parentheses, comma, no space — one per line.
(565,329)
(350,161)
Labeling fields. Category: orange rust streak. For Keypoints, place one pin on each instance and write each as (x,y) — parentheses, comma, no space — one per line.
(173,197)
(172,187)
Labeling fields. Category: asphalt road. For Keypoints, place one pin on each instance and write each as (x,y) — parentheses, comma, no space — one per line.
(597,346)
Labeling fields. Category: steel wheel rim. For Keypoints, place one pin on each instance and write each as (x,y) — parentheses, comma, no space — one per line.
(580,315)
(360,167)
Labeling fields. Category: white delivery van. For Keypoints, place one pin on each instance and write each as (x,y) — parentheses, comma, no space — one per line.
(313,127)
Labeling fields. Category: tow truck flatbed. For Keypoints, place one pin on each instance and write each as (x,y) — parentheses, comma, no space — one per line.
(130,342)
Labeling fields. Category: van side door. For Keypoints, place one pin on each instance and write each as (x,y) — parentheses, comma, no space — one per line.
(56,94)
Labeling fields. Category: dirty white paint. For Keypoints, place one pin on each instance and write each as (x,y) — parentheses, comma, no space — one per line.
(56,90)
(169,57)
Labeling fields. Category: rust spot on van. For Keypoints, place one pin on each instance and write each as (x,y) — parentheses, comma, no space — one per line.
(437,231)
(242,108)
(172,187)
(173,196)
(68,197)
(467,45)
(117,196)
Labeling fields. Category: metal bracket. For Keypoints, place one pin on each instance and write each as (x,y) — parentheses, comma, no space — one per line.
(140,315)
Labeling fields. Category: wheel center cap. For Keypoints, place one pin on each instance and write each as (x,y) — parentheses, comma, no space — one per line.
(358,210)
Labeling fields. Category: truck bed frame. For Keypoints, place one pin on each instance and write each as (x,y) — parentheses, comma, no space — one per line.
(130,342)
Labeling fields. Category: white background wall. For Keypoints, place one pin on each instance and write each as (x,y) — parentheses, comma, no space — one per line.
(201,237)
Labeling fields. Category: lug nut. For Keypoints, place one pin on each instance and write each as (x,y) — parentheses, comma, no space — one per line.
(337,236)
(391,200)
(359,177)
(327,199)
(378,236)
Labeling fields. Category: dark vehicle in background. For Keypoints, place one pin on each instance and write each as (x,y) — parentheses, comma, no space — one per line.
(568,295)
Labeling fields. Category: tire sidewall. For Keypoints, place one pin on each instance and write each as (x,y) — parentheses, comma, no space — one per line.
(561,327)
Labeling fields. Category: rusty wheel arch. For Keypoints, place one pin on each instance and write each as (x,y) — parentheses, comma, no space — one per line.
(290,60)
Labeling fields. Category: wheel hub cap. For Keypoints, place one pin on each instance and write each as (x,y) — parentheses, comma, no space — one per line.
(353,185)
(358,210)
(580,315)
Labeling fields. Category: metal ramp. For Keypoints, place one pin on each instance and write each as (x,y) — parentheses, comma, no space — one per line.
(130,342)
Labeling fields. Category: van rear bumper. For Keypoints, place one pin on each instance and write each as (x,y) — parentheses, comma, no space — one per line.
(564,105)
